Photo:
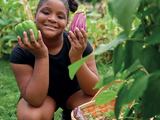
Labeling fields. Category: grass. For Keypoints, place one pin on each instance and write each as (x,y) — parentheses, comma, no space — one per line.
(9,91)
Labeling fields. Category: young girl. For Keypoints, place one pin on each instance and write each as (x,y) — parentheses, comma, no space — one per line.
(41,67)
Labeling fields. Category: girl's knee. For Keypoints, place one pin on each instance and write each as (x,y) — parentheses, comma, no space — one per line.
(77,99)
(27,112)
(29,115)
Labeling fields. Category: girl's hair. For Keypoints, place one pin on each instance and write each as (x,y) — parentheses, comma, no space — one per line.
(71,5)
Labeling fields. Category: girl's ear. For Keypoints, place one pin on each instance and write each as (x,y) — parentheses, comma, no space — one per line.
(34,19)
(65,29)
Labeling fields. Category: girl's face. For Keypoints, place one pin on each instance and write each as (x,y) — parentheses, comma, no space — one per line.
(51,18)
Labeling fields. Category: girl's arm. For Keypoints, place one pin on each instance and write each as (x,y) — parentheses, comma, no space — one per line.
(33,83)
(87,74)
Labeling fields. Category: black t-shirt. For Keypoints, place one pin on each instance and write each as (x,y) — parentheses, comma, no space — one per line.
(59,82)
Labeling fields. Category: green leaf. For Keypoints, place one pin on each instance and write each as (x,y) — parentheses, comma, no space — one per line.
(151,97)
(94,2)
(121,38)
(2,22)
(124,10)
(110,10)
(150,1)
(75,66)
(137,88)
(158,4)
(136,66)
(105,81)
(150,10)
(139,33)
(132,52)
(120,99)
(150,59)
(154,38)
(118,58)
(105,97)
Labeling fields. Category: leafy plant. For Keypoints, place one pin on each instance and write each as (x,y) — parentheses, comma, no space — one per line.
(12,12)
(135,59)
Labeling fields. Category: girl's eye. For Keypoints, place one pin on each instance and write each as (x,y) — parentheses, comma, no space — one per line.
(46,13)
(60,17)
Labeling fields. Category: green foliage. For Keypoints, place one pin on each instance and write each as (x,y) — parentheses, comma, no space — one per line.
(12,12)
(9,92)
(135,59)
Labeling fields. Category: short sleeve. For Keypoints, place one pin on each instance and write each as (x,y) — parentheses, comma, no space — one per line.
(88,49)
(20,56)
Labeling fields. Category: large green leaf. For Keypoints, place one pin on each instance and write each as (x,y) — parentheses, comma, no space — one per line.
(74,67)
(118,58)
(94,2)
(106,81)
(132,52)
(105,97)
(151,97)
(124,10)
(120,99)
(110,10)
(158,4)
(129,93)
(150,1)
(150,59)
(121,38)
(154,38)
(136,89)
(136,66)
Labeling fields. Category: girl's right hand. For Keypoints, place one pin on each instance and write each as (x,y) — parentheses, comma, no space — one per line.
(37,48)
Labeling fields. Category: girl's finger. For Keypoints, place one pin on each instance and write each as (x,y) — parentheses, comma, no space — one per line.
(25,38)
(73,37)
(40,36)
(84,35)
(19,41)
(71,41)
(80,36)
(32,36)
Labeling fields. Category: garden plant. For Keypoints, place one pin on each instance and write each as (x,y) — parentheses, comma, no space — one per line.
(129,28)
(135,59)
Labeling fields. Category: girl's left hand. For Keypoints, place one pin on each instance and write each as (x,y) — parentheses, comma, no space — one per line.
(77,45)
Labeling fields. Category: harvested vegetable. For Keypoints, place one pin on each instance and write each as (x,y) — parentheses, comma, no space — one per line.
(78,114)
(26,26)
(79,21)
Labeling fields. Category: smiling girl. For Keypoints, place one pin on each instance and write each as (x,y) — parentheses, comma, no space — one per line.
(41,67)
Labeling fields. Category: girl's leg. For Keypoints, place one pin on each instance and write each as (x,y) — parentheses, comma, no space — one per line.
(27,112)
(78,98)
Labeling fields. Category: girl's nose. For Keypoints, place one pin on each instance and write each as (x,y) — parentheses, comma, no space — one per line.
(52,18)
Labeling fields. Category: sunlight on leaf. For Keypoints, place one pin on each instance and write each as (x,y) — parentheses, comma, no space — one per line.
(75,66)
(106,81)
(105,97)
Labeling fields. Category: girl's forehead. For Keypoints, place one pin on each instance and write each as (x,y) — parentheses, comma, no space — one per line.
(54,4)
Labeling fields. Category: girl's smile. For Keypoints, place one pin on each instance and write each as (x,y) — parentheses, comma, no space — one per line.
(51,27)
